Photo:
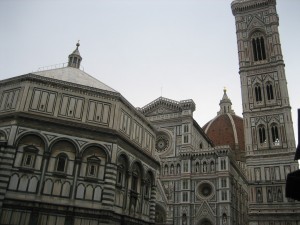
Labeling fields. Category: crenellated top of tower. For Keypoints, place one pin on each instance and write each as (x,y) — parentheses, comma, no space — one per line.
(239,6)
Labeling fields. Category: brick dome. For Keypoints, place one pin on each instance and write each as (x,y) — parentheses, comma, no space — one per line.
(227,129)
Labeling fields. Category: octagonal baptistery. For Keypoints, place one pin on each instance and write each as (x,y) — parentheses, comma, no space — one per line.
(73,151)
(227,129)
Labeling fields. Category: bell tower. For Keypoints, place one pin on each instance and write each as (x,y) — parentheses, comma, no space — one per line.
(268,127)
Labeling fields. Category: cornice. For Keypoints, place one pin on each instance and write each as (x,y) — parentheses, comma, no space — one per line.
(76,88)
(242,6)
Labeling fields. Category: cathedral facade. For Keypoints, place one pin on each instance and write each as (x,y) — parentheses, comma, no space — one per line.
(74,151)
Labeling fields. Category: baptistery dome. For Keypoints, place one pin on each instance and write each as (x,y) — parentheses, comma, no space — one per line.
(227,129)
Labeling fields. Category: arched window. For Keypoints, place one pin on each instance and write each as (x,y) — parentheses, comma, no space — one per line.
(275,134)
(262,134)
(258,95)
(61,163)
(270,94)
(258,45)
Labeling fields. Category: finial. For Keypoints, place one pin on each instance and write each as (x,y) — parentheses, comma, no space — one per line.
(78,44)
(224,89)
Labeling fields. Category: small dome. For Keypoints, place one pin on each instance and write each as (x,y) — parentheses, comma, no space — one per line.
(227,129)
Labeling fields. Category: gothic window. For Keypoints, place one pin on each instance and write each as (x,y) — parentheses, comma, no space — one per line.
(185,184)
(270,93)
(223,164)
(184,196)
(258,45)
(275,135)
(185,139)
(262,134)
(223,182)
(61,163)
(185,166)
(201,145)
(224,195)
(258,95)
(185,128)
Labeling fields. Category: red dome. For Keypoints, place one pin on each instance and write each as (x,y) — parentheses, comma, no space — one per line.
(227,129)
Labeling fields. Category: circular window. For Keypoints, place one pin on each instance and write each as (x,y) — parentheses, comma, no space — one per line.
(162,143)
(205,190)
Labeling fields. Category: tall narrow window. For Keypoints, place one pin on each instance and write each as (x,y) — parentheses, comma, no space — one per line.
(275,136)
(134,182)
(185,128)
(61,163)
(185,166)
(223,164)
(258,45)
(262,134)
(258,95)
(270,94)
(184,196)
(120,175)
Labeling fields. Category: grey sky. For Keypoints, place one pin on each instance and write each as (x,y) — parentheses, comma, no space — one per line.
(184,49)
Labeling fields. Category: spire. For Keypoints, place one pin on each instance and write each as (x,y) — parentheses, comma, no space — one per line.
(225,104)
(75,58)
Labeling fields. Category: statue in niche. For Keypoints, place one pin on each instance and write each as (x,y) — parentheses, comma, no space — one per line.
(259,197)
(212,166)
(269,196)
(279,195)
(204,167)
(197,167)
(178,168)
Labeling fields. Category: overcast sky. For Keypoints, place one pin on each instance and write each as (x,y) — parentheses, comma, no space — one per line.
(180,49)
